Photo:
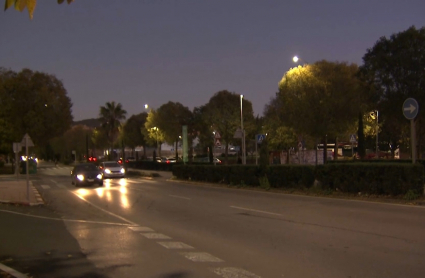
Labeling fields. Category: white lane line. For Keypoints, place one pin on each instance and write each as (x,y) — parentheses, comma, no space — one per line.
(261,211)
(155,236)
(233,272)
(67,220)
(105,211)
(12,272)
(201,257)
(175,245)
(141,229)
(175,196)
(45,186)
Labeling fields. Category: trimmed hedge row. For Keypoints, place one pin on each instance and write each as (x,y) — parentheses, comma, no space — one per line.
(380,178)
(279,176)
(376,178)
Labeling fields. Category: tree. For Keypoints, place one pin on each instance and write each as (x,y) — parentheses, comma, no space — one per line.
(20,5)
(110,117)
(35,103)
(132,131)
(394,67)
(361,138)
(73,139)
(169,119)
(223,114)
(279,135)
(321,100)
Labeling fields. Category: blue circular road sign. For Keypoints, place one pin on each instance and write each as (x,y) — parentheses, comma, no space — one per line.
(410,108)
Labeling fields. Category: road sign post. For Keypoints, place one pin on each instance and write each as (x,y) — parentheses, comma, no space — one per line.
(258,139)
(410,111)
(27,142)
(352,140)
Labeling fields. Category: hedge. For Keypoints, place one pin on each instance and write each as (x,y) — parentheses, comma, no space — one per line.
(370,178)
(300,176)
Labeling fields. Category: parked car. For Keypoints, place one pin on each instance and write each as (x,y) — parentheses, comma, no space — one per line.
(112,169)
(166,159)
(207,160)
(86,174)
(130,159)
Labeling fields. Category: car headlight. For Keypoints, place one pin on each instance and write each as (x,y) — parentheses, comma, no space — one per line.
(80,177)
(122,170)
(107,171)
(99,176)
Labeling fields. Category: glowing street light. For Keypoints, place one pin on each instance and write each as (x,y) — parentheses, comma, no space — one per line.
(295,59)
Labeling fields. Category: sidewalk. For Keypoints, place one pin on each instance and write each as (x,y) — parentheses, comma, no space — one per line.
(16,192)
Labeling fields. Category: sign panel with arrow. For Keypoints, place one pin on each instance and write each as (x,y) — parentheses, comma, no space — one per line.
(410,108)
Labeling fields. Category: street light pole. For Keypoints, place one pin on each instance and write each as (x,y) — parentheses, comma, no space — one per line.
(377,131)
(243,135)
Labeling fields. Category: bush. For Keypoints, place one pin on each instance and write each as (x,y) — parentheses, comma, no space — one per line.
(371,178)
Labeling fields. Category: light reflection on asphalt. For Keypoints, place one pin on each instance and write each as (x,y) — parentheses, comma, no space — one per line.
(105,192)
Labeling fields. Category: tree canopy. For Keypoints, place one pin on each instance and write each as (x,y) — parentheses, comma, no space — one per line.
(321,99)
(35,103)
(20,5)
(110,117)
(394,66)
(223,114)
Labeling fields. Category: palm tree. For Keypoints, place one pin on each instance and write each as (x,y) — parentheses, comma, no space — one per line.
(110,117)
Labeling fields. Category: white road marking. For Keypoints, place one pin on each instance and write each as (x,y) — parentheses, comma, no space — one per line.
(155,236)
(201,257)
(233,272)
(12,272)
(61,186)
(141,229)
(108,212)
(261,211)
(66,220)
(175,245)
(180,197)
(45,186)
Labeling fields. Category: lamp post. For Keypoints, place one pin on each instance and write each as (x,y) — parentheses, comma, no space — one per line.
(243,134)
(375,116)
(156,130)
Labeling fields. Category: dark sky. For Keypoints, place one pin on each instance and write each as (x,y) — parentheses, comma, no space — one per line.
(154,51)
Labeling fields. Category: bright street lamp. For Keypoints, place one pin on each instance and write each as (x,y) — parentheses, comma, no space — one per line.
(295,59)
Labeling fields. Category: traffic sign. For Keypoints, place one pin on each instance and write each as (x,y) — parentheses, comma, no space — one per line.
(260,138)
(410,108)
(26,141)
(217,135)
(353,138)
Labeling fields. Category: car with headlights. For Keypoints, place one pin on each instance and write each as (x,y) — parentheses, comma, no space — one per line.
(112,169)
(86,174)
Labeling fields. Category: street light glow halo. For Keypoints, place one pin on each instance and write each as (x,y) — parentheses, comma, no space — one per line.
(295,59)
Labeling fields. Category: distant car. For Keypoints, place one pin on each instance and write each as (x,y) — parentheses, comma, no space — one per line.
(130,159)
(207,160)
(86,174)
(112,169)
(166,160)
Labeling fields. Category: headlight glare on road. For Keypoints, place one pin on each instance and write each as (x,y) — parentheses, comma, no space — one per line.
(122,170)
(99,176)
(107,171)
(80,177)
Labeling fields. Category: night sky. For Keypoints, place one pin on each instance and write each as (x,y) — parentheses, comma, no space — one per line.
(154,51)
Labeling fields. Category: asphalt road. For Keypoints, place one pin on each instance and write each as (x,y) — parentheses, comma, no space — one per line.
(157,228)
